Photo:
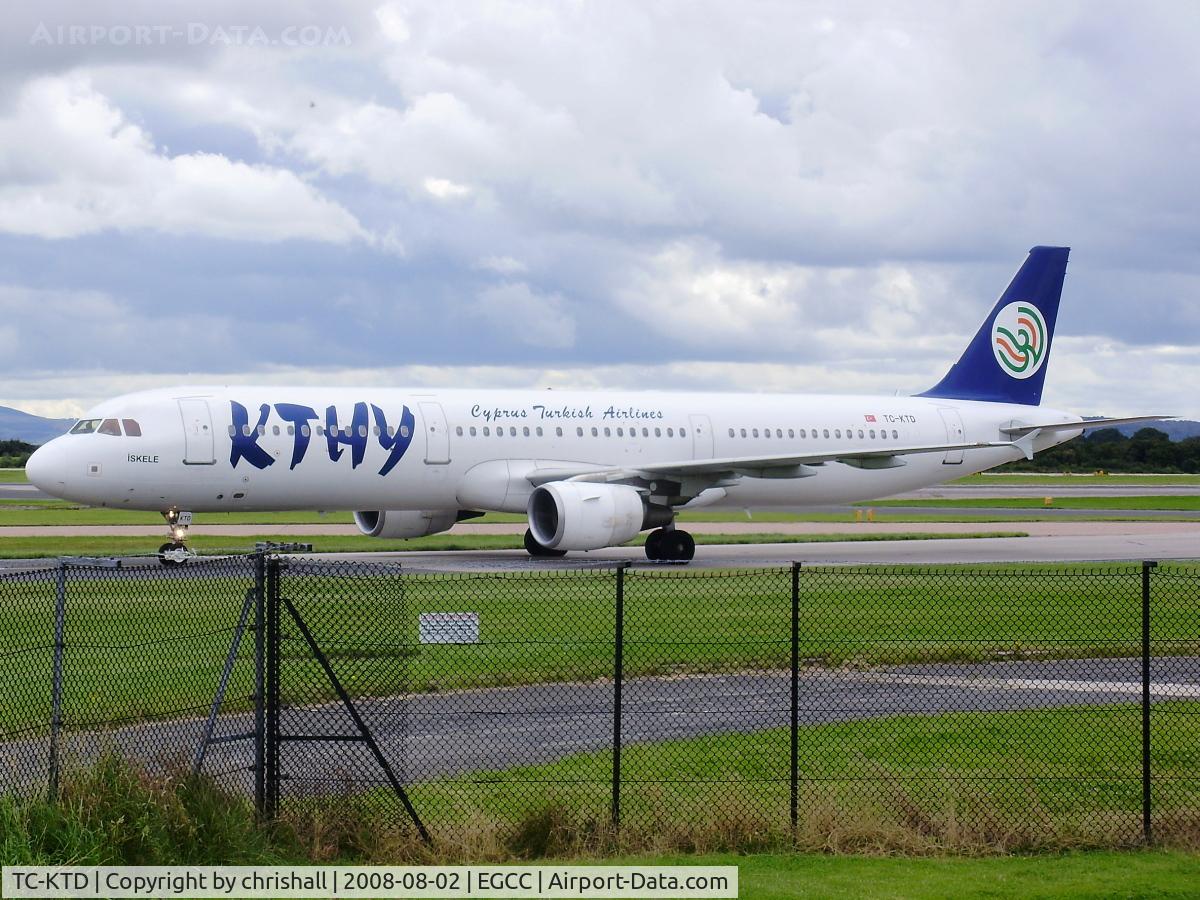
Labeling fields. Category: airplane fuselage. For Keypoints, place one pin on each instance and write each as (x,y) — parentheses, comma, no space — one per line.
(210,449)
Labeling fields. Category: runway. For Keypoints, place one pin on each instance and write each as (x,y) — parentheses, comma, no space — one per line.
(437,736)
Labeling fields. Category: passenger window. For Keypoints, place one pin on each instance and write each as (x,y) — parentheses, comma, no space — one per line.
(595,431)
(558,431)
(778,432)
(375,430)
(743,432)
(458,430)
(525,431)
(895,434)
(473,432)
(246,430)
(754,432)
(486,431)
(731,432)
(512,431)
(645,432)
(872,434)
(275,429)
(110,426)
(791,433)
(579,432)
(132,428)
(826,432)
(658,432)
(670,432)
(683,432)
(403,431)
(362,431)
(766,432)
(320,431)
(837,432)
(539,431)
(262,430)
(306,430)
(232,431)
(85,426)
(860,434)
(620,432)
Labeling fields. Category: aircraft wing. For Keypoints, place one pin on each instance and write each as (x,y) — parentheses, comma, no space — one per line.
(1017,430)
(790,465)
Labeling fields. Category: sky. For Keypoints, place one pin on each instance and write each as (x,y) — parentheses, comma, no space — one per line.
(758,196)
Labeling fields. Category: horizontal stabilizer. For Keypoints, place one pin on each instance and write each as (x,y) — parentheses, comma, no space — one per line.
(1016,430)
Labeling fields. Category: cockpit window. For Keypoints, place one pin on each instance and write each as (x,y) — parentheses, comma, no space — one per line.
(132,428)
(110,426)
(85,426)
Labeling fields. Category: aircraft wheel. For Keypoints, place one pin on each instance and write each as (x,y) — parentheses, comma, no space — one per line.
(688,546)
(165,551)
(676,546)
(654,545)
(533,548)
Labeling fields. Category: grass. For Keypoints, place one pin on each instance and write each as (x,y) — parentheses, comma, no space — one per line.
(152,645)
(12,476)
(1071,478)
(114,816)
(1184,502)
(51,546)
(977,782)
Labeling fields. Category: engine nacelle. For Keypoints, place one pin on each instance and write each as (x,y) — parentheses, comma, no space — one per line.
(404,523)
(576,515)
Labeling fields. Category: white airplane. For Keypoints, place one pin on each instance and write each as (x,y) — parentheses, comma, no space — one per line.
(590,470)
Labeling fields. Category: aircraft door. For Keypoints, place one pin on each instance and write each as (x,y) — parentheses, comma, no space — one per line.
(955,434)
(198,440)
(437,434)
(702,437)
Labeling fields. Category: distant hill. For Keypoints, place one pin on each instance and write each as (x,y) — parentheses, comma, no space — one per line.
(21,426)
(1177,431)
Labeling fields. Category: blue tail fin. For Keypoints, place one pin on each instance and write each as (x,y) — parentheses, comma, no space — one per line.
(1006,360)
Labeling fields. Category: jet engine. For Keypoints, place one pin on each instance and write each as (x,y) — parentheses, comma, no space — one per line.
(405,523)
(576,515)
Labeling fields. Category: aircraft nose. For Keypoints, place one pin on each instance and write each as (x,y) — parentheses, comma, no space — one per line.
(46,468)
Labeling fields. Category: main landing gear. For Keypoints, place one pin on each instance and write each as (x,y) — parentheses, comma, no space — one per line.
(670,545)
(533,548)
(175,552)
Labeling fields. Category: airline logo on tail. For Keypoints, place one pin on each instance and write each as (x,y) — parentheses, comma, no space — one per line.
(1019,339)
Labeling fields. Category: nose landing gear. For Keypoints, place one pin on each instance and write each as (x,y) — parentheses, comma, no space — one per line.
(175,552)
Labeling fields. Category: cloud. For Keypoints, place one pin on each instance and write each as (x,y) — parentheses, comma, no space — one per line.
(816,196)
(518,313)
(72,164)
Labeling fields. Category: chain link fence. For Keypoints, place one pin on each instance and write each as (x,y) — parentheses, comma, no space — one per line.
(1011,705)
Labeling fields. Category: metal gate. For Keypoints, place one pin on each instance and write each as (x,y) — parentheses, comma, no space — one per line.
(197,433)
(437,435)
(955,434)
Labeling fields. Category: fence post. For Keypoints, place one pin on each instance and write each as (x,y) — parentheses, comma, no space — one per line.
(60,618)
(794,775)
(1147,832)
(260,661)
(271,778)
(618,683)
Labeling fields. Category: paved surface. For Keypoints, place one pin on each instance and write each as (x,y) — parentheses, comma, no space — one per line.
(1098,546)
(436,736)
(1068,542)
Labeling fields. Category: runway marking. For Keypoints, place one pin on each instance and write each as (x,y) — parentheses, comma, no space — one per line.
(1158,689)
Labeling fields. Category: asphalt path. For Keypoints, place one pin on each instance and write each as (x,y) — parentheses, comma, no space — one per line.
(1118,546)
(435,736)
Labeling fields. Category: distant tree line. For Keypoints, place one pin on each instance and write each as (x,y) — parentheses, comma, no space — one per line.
(13,454)
(1106,449)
